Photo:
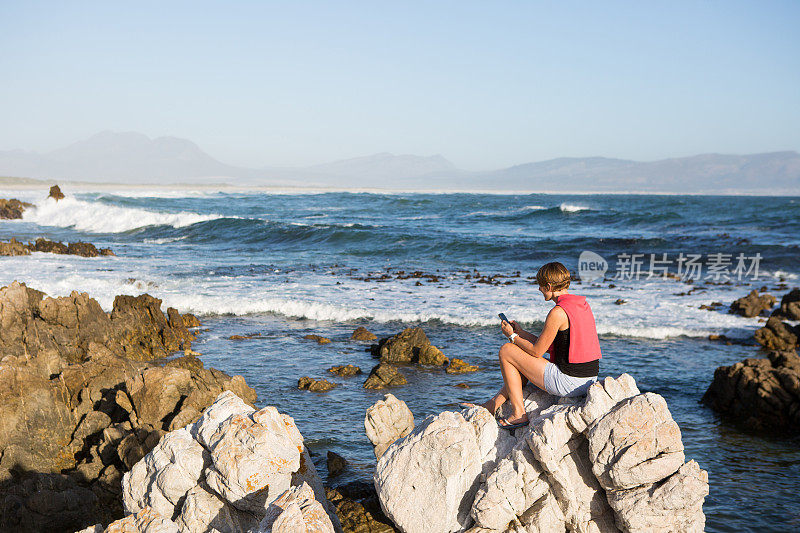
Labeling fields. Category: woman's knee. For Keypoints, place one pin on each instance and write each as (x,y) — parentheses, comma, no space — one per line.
(506,350)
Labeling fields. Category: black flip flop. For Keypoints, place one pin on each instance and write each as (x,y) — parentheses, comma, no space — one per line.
(505,424)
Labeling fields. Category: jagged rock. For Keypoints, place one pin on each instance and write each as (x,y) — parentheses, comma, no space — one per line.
(403,347)
(145,521)
(432,356)
(296,511)
(190,321)
(319,339)
(315,385)
(363,334)
(752,304)
(777,335)
(358,508)
(345,370)
(760,394)
(13,208)
(55,193)
(386,421)
(162,479)
(790,305)
(384,375)
(67,414)
(336,464)
(582,464)
(459,366)
(225,470)
(13,248)
(426,481)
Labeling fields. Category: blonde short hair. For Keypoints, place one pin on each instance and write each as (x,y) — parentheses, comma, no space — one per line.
(555,275)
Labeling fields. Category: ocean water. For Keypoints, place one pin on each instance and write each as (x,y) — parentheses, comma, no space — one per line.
(285,265)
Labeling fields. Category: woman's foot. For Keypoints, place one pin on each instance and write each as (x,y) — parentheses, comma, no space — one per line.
(490,405)
(512,422)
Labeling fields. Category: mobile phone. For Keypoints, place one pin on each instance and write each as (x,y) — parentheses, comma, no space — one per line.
(504,317)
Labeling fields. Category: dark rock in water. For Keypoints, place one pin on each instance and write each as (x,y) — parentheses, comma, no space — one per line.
(403,347)
(345,370)
(760,394)
(461,385)
(777,335)
(790,306)
(363,334)
(384,375)
(432,356)
(459,366)
(55,193)
(76,413)
(84,249)
(190,321)
(620,301)
(336,464)
(752,304)
(319,339)
(358,508)
(245,337)
(13,247)
(315,385)
(13,208)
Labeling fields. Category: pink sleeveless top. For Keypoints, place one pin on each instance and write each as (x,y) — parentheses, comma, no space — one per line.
(584,346)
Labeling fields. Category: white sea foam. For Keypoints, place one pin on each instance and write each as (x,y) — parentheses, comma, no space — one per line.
(165,240)
(571,208)
(97,217)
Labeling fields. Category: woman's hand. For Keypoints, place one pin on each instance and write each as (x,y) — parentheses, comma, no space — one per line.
(507,328)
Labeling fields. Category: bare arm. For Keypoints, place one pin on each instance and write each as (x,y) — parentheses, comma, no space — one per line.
(537,346)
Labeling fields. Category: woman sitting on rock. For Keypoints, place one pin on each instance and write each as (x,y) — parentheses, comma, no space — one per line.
(569,335)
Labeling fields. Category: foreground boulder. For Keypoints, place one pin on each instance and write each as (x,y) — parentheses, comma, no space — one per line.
(386,421)
(234,469)
(760,394)
(79,406)
(612,461)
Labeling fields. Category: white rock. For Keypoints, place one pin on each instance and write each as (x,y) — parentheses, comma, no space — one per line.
(386,421)
(97,528)
(144,521)
(426,481)
(204,511)
(253,457)
(673,505)
(637,443)
(163,477)
(494,443)
(226,405)
(296,511)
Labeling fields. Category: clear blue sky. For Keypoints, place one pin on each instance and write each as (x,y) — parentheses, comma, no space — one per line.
(485,84)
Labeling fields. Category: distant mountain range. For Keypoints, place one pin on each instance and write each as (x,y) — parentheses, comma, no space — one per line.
(133,158)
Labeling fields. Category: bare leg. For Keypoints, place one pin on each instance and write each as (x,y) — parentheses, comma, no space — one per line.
(516,365)
(500,398)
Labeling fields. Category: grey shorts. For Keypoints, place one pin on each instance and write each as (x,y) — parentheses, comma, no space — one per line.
(559,384)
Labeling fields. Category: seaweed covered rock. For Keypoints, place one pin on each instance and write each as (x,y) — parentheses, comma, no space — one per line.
(384,375)
(778,335)
(608,462)
(760,394)
(84,249)
(403,347)
(13,208)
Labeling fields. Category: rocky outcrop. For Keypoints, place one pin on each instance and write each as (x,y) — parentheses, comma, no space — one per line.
(790,305)
(234,469)
(55,193)
(759,394)
(79,407)
(386,421)
(778,335)
(608,462)
(315,385)
(405,347)
(459,366)
(84,249)
(752,304)
(345,370)
(384,375)
(318,339)
(12,209)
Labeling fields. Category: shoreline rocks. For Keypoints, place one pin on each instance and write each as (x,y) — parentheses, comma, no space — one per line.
(12,209)
(384,375)
(82,400)
(610,461)
(753,304)
(315,385)
(83,249)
